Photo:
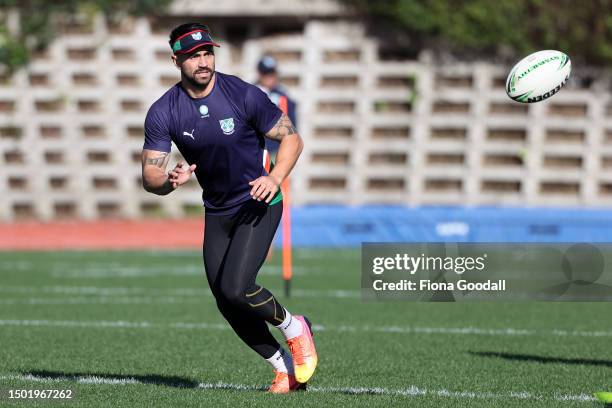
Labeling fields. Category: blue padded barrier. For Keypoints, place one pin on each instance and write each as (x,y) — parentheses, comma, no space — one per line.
(342,226)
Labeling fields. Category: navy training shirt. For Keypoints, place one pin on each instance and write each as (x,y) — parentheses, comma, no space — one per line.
(222,133)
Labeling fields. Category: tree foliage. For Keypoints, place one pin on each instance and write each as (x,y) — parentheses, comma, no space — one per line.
(38,22)
(581,29)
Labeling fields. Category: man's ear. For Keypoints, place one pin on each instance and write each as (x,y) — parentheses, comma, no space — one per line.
(175,61)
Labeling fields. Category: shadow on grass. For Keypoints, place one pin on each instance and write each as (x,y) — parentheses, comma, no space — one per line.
(93,377)
(109,378)
(151,379)
(541,359)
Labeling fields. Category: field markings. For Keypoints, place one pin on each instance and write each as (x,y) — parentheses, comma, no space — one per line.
(182,292)
(118,270)
(98,300)
(316,327)
(410,391)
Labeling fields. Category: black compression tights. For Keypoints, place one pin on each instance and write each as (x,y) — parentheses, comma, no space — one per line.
(235,247)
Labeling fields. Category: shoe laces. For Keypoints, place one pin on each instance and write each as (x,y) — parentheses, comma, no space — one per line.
(298,348)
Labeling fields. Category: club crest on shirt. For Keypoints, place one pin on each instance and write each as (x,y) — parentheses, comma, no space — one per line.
(227,125)
(204,111)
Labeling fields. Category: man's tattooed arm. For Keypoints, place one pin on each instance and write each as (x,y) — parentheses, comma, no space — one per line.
(154,177)
(284,127)
(156,161)
(289,149)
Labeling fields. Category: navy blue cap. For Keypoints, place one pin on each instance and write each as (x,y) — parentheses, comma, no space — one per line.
(192,40)
(267,65)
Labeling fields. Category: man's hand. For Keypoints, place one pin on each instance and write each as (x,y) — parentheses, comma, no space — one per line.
(264,186)
(179,176)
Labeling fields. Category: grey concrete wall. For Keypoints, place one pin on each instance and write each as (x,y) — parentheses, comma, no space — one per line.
(403,132)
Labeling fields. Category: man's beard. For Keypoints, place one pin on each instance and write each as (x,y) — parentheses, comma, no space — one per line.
(198,84)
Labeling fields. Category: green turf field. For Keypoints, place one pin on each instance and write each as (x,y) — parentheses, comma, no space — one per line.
(141,329)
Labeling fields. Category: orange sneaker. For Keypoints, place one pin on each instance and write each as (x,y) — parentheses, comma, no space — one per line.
(303,352)
(284,383)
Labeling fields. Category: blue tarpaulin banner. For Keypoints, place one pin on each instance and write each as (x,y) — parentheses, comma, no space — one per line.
(342,226)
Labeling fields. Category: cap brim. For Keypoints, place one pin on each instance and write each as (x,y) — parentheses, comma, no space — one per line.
(195,47)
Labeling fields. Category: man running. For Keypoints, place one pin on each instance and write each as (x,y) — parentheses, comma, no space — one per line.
(218,123)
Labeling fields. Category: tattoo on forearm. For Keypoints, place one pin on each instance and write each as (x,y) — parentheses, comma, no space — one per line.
(156,161)
(283,128)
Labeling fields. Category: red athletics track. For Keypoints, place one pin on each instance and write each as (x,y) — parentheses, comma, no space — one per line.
(105,234)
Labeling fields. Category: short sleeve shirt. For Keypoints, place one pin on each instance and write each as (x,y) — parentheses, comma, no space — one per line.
(222,133)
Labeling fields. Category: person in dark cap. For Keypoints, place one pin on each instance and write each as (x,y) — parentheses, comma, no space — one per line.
(219,123)
(268,81)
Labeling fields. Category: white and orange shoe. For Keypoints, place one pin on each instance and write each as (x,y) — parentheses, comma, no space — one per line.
(284,383)
(303,352)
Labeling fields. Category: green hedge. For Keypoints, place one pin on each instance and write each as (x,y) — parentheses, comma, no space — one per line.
(39,21)
(583,29)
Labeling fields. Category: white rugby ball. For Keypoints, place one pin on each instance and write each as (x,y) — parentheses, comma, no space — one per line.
(538,76)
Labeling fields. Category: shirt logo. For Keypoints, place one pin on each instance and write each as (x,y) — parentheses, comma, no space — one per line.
(227,125)
(197,36)
(189,134)
(204,111)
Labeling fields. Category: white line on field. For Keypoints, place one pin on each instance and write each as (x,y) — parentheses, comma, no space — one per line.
(118,291)
(316,328)
(76,323)
(118,270)
(104,291)
(410,391)
(97,300)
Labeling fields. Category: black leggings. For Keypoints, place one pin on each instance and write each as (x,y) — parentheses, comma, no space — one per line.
(235,247)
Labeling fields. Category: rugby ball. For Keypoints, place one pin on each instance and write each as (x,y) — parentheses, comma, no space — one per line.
(538,76)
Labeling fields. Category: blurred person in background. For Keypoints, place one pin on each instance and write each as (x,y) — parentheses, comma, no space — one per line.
(269,82)
(218,122)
